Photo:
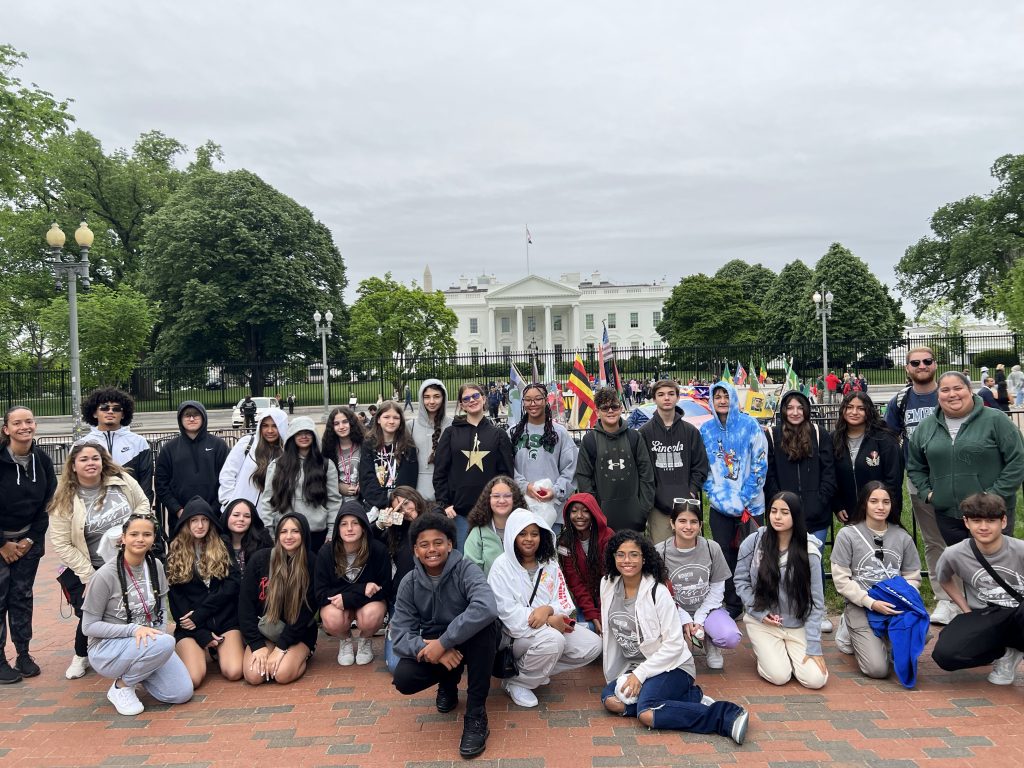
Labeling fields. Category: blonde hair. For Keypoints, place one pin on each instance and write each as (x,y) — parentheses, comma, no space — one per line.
(214,562)
(63,502)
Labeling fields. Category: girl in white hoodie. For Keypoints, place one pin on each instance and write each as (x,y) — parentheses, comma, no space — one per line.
(536,608)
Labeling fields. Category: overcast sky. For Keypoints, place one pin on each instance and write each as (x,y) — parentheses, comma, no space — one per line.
(644,139)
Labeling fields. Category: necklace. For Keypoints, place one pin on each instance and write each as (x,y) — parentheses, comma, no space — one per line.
(138,591)
(346,463)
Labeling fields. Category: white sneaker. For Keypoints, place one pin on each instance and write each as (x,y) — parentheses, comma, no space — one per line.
(520,695)
(364,651)
(945,611)
(77,668)
(713,656)
(843,640)
(346,653)
(1005,667)
(706,700)
(826,625)
(124,699)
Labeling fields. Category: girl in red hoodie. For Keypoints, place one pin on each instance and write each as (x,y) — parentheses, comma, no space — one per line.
(581,545)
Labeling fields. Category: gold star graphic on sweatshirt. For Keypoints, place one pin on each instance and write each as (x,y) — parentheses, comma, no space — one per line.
(475,456)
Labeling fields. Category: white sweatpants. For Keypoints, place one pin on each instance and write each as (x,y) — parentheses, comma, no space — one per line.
(546,652)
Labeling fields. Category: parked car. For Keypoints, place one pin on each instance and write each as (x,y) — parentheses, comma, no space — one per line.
(262,404)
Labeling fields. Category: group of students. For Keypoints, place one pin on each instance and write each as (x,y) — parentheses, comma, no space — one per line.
(471,542)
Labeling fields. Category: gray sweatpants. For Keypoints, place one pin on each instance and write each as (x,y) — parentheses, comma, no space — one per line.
(155,665)
(546,652)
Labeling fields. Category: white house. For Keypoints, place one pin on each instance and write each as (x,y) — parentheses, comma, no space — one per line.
(566,314)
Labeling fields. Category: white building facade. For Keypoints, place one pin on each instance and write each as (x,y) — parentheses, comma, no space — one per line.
(563,315)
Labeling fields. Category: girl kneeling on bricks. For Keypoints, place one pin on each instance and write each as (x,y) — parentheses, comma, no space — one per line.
(123,617)
(276,606)
(648,668)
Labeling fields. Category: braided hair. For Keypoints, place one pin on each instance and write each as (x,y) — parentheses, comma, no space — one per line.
(438,419)
(151,575)
(550,438)
(567,538)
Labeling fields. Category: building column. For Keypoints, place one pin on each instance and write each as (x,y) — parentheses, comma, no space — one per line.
(577,338)
(548,346)
(491,331)
(520,346)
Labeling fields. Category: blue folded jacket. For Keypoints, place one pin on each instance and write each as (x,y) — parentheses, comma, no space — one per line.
(907,631)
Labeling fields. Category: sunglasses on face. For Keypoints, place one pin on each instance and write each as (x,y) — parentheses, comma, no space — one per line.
(925,362)
(471,398)
(610,408)
(110,408)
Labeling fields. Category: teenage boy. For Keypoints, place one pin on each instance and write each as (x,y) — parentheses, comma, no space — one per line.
(443,624)
(738,458)
(190,464)
(908,408)
(677,452)
(110,411)
(990,629)
(614,467)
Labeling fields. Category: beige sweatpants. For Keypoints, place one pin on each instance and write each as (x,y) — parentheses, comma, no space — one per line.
(781,654)
(871,652)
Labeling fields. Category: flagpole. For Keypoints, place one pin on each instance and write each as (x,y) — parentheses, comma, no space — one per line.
(528,249)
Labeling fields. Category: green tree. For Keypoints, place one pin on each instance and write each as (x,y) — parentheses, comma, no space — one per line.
(787,307)
(113,329)
(974,243)
(238,269)
(755,279)
(400,326)
(709,310)
(1010,297)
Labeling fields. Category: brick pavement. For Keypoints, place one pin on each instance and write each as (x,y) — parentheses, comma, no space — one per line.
(353,717)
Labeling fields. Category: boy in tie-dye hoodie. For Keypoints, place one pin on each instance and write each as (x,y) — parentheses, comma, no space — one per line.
(738,454)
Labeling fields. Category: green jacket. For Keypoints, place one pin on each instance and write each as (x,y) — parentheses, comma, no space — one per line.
(988,455)
(483,547)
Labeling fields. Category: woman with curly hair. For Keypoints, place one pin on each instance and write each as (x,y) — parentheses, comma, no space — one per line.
(244,474)
(343,439)
(485,540)
(865,450)
(109,411)
(581,545)
(204,582)
(778,578)
(94,497)
(648,668)
(431,420)
(543,450)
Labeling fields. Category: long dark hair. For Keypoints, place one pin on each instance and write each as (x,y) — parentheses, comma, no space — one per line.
(256,536)
(375,435)
(796,439)
(797,584)
(567,538)
(860,513)
(265,453)
(329,442)
(873,422)
(286,476)
(652,565)
(151,574)
(481,513)
(438,418)
(395,534)
(549,439)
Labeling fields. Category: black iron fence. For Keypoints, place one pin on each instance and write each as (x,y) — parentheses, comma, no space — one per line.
(222,385)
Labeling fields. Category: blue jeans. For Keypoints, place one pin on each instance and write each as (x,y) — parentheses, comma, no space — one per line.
(675,699)
(461,531)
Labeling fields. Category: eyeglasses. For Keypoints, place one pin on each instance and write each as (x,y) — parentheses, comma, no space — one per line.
(471,398)
(192,415)
(110,408)
(628,555)
(878,546)
(925,362)
(533,400)
(610,408)
(687,502)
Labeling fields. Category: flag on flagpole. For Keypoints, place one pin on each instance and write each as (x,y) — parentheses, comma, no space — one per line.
(792,380)
(618,381)
(529,238)
(536,376)
(579,384)
(515,378)
(741,374)
(604,353)
(726,373)
(754,384)
(762,375)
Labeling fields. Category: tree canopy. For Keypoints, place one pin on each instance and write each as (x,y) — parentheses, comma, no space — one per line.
(755,279)
(709,310)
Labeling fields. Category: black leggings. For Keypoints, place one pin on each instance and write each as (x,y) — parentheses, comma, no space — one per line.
(723,531)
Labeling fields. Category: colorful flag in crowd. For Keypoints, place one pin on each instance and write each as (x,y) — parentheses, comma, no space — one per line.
(726,373)
(515,394)
(579,384)
(741,375)
(792,380)
(515,378)
(754,384)
(604,353)
(762,374)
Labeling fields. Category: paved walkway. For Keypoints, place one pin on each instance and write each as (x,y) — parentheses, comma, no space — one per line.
(353,717)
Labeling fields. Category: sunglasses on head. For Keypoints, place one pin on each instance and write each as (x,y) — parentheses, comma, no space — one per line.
(110,408)
(687,502)
(925,362)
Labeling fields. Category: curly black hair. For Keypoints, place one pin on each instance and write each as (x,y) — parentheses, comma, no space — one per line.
(652,565)
(432,521)
(546,548)
(108,395)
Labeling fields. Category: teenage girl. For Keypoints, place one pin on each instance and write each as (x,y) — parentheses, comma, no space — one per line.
(388,457)
(343,439)
(352,583)
(244,474)
(487,521)
(204,582)
(244,532)
(431,420)
(123,617)
(778,578)
(581,545)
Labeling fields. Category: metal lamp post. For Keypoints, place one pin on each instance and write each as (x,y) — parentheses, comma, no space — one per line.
(69,272)
(532,348)
(823,308)
(324,330)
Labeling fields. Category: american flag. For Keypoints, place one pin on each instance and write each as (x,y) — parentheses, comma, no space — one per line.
(529,238)
(605,353)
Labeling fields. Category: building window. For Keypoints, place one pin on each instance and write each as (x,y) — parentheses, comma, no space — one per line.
(588,322)
(506,324)
(590,349)
(558,353)
(657,319)
(474,325)
(634,319)
(506,351)
(531,324)
(556,323)
(611,319)
(635,347)
(474,355)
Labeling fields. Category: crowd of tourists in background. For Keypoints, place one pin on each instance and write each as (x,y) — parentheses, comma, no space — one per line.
(479,550)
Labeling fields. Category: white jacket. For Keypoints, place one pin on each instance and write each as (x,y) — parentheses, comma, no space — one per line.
(512,585)
(661,634)
(236,474)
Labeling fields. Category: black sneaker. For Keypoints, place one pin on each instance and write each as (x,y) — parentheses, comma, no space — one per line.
(8,674)
(474,736)
(26,665)
(447,699)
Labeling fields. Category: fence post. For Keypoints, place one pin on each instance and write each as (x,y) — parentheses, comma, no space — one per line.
(381,375)
(64,407)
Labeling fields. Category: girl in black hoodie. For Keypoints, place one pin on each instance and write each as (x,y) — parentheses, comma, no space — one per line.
(470,453)
(243,531)
(276,606)
(865,450)
(204,582)
(353,573)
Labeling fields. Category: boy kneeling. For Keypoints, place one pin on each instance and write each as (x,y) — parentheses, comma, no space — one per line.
(991,628)
(443,623)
